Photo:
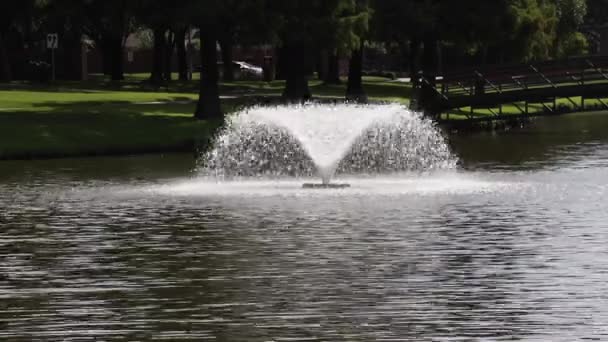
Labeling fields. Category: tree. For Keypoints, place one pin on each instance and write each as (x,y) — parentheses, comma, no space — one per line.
(153,15)
(516,30)
(353,31)
(209,106)
(535,29)
(569,40)
(477,28)
(354,87)
(332,75)
(65,17)
(169,23)
(109,22)
(180,43)
(597,16)
(409,24)
(418,29)
(215,17)
(296,29)
(343,29)
(16,18)
(305,27)
(244,23)
(597,13)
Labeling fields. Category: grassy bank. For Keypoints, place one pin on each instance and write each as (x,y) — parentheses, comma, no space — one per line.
(563,106)
(98,117)
(40,124)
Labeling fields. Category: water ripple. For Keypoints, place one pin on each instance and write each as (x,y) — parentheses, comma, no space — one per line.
(468,256)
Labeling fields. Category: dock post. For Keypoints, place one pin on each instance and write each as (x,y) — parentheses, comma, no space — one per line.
(583,94)
(500,104)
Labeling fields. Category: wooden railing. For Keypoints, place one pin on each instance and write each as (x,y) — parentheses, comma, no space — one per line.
(490,87)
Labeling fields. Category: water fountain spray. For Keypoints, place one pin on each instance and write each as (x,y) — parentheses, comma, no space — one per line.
(317,140)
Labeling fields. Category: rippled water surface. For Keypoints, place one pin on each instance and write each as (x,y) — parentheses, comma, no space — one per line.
(513,246)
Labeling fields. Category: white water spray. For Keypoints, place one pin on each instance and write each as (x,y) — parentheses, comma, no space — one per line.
(322,140)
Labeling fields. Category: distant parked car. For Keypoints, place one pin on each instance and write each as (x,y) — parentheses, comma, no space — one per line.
(242,70)
(247,70)
(38,71)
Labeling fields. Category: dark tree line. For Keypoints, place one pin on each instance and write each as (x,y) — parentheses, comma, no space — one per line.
(307,35)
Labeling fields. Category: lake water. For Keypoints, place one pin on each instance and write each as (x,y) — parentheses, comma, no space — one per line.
(513,246)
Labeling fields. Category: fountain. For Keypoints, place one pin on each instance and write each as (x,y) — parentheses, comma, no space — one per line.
(325,140)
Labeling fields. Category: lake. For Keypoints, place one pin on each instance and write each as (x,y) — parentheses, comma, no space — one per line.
(511,246)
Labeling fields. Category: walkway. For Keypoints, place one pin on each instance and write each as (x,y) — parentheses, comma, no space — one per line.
(554,86)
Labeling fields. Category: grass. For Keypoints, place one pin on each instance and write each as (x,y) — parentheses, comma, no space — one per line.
(534,108)
(99,117)
(96,127)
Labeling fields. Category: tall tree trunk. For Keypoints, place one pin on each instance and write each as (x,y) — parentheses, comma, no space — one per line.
(170,47)
(484,55)
(333,69)
(413,61)
(322,64)
(5,64)
(106,55)
(296,85)
(208,106)
(182,63)
(354,89)
(156,77)
(18,56)
(72,56)
(428,95)
(430,58)
(226,46)
(281,63)
(117,66)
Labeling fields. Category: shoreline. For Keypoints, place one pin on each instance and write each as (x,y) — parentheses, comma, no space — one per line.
(63,121)
(195,146)
(30,156)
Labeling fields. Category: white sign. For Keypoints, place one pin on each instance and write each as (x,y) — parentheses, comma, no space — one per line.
(52,41)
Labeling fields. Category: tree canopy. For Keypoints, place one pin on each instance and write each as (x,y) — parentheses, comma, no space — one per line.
(475,31)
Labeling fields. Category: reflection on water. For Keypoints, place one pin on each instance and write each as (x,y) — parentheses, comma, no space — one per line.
(130,249)
(548,142)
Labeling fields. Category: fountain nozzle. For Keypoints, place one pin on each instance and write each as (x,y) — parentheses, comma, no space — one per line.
(325,186)
(325,182)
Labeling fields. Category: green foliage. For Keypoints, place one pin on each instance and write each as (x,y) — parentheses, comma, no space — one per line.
(114,17)
(160,13)
(597,12)
(17,14)
(571,14)
(350,22)
(518,30)
(339,24)
(535,28)
(569,41)
(399,20)
(573,44)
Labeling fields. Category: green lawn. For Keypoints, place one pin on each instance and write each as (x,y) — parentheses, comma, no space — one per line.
(39,124)
(516,108)
(99,117)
